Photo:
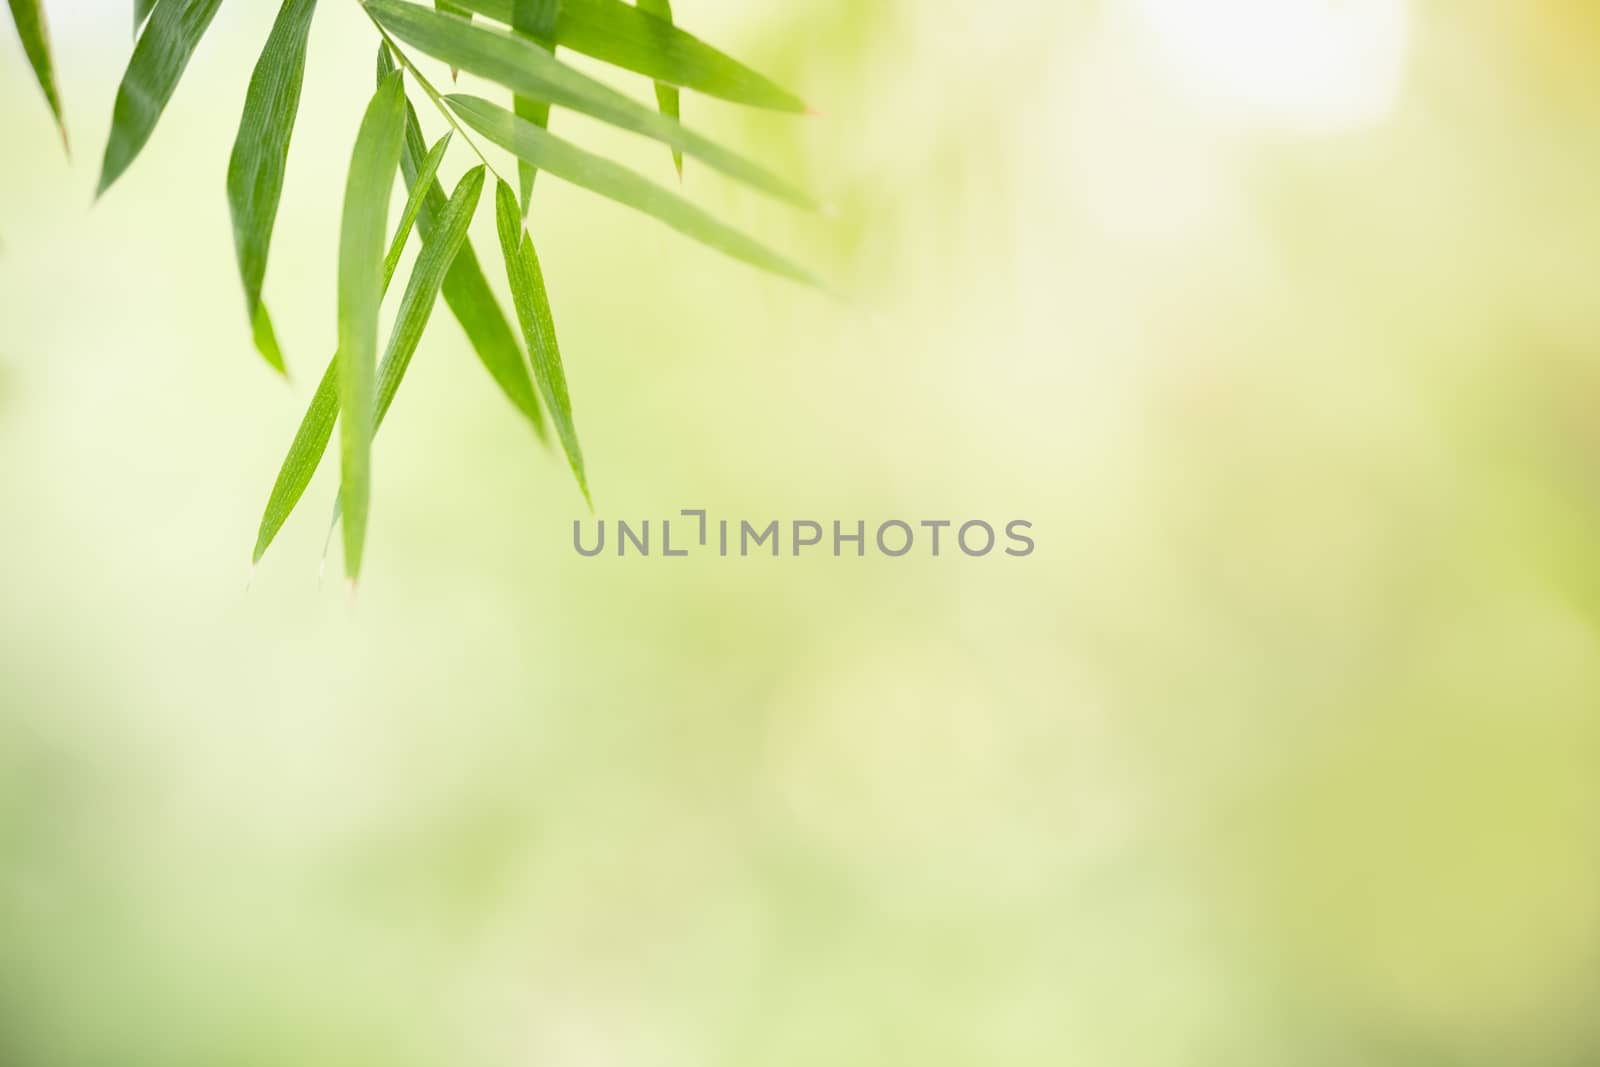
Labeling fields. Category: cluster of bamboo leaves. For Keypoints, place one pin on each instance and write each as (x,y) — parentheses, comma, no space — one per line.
(511,43)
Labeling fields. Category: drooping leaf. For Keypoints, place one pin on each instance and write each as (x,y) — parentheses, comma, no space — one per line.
(466,290)
(624,36)
(141,12)
(600,175)
(361,248)
(536,20)
(158,62)
(451,9)
(29,19)
(522,66)
(261,156)
(532,302)
(316,427)
(666,94)
(414,202)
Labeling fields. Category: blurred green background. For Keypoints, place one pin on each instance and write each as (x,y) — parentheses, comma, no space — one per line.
(1278,320)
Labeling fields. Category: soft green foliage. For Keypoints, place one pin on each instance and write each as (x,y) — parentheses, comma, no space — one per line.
(36,42)
(261,157)
(141,12)
(538,325)
(667,97)
(616,182)
(502,56)
(513,46)
(158,62)
(624,36)
(535,19)
(361,246)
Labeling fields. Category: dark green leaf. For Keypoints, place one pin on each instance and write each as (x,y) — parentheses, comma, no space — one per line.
(597,174)
(408,217)
(538,325)
(35,35)
(466,291)
(261,156)
(666,94)
(522,66)
(158,62)
(624,36)
(361,247)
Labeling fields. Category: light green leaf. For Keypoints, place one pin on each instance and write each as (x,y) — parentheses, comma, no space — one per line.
(624,36)
(29,19)
(261,156)
(305,452)
(158,62)
(466,290)
(451,9)
(666,95)
(597,174)
(522,66)
(536,20)
(532,302)
(408,217)
(141,12)
(361,248)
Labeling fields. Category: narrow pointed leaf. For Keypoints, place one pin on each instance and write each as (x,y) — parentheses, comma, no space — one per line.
(451,9)
(408,217)
(29,19)
(158,62)
(361,247)
(666,94)
(538,325)
(466,290)
(600,175)
(523,67)
(141,12)
(536,20)
(261,158)
(316,426)
(624,36)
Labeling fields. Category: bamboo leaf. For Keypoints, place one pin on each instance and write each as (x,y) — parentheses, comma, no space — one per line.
(599,175)
(158,62)
(624,36)
(466,290)
(261,156)
(451,9)
(35,34)
(522,66)
(408,217)
(666,95)
(536,20)
(316,426)
(532,302)
(141,12)
(361,246)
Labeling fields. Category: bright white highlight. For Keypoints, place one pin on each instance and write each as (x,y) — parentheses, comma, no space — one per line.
(1303,65)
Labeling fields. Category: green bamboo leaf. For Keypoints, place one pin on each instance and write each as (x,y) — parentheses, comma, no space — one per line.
(29,19)
(624,36)
(597,174)
(316,427)
(523,67)
(666,95)
(452,9)
(536,20)
(361,247)
(532,302)
(141,12)
(466,290)
(158,62)
(261,157)
(408,217)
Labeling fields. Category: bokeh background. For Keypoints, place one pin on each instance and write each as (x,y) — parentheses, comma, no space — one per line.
(1279,321)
